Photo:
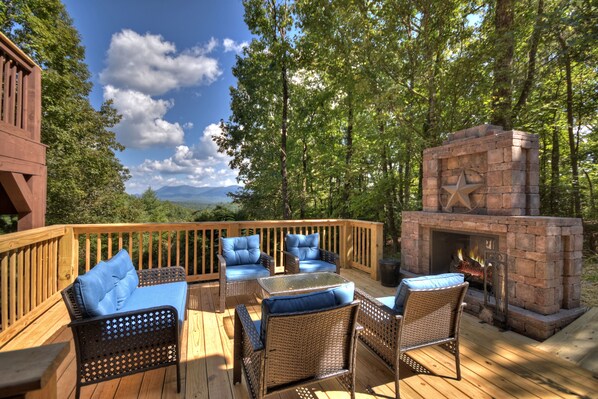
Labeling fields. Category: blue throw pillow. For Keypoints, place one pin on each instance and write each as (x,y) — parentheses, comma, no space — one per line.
(241,250)
(424,283)
(128,280)
(329,298)
(304,247)
(94,291)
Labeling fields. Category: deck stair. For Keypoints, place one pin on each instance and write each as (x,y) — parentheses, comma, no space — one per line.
(578,342)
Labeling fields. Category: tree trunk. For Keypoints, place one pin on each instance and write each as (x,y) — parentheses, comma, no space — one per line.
(503,64)
(389,184)
(591,189)
(348,156)
(555,170)
(286,208)
(531,65)
(302,212)
(573,158)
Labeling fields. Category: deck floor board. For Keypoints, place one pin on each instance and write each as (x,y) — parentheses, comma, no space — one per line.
(494,364)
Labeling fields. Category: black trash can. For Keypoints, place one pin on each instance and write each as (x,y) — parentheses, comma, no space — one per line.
(390,272)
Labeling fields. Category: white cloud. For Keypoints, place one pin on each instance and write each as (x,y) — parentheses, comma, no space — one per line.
(198,165)
(143,124)
(231,45)
(149,64)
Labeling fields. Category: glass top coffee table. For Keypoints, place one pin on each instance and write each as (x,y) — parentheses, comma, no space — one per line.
(293,284)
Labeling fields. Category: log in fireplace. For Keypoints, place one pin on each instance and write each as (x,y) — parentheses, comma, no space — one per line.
(481,194)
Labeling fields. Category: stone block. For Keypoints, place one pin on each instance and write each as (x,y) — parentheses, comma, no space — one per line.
(494,179)
(495,156)
(498,228)
(516,154)
(553,244)
(548,270)
(546,298)
(525,293)
(525,242)
(494,201)
(526,267)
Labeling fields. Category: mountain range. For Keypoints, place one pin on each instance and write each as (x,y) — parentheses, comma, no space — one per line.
(199,195)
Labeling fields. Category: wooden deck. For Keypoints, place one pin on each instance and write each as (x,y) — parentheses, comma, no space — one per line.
(494,364)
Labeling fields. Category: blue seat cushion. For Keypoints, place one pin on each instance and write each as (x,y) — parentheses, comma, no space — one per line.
(302,246)
(246,272)
(95,292)
(329,298)
(173,294)
(311,266)
(241,250)
(425,283)
(128,280)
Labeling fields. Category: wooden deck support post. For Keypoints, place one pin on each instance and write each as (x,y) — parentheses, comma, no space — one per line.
(377,249)
(66,259)
(346,254)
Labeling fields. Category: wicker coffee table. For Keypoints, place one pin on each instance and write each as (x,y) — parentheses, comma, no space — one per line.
(292,284)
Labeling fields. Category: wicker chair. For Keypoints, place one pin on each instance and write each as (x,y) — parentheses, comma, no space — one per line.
(240,278)
(429,317)
(299,349)
(302,254)
(125,343)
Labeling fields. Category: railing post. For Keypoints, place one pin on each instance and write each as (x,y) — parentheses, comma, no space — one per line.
(66,258)
(347,244)
(377,248)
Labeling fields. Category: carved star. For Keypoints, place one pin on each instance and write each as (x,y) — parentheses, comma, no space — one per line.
(460,191)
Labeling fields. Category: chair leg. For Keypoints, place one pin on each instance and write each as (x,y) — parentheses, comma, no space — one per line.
(222,302)
(457,361)
(178,377)
(78,391)
(397,392)
(237,350)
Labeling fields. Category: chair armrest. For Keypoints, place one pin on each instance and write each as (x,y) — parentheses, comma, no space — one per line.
(369,304)
(268,262)
(244,325)
(331,257)
(291,263)
(161,275)
(221,265)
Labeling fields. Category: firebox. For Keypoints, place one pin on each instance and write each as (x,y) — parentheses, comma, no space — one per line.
(461,252)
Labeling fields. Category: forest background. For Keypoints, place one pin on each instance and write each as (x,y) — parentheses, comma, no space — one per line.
(335,102)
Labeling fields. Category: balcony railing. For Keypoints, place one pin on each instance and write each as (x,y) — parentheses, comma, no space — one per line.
(36,264)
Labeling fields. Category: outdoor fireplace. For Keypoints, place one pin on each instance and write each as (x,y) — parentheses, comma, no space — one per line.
(481,195)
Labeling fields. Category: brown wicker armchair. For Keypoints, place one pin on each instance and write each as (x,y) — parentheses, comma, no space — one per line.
(302,254)
(241,278)
(430,317)
(299,349)
(127,342)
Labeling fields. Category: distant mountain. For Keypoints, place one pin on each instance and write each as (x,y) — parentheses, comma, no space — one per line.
(200,195)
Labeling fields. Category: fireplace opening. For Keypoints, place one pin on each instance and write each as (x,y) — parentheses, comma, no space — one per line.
(462,253)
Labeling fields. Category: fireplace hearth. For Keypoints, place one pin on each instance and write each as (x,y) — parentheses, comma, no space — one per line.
(481,195)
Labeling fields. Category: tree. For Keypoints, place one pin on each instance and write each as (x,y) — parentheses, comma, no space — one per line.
(85,178)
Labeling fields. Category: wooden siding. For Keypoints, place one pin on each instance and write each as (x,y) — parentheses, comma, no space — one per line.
(22,156)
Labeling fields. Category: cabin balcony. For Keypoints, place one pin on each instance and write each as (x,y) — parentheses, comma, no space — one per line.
(36,264)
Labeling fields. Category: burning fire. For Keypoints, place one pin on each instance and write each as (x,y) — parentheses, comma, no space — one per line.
(472,255)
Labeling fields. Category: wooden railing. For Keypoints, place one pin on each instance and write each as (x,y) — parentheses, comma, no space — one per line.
(29,264)
(36,264)
(20,88)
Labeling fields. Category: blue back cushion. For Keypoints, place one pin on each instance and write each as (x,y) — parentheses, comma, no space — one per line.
(241,250)
(94,291)
(304,247)
(329,298)
(425,283)
(128,280)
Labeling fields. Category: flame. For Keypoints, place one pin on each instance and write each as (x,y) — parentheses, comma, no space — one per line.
(474,255)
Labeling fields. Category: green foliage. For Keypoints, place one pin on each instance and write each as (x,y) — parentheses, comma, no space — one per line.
(373,83)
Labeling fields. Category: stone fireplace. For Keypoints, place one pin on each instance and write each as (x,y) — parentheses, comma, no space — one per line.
(481,193)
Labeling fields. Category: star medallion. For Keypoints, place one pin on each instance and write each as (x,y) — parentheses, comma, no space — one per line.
(460,192)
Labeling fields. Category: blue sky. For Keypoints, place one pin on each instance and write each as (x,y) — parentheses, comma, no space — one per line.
(167,67)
